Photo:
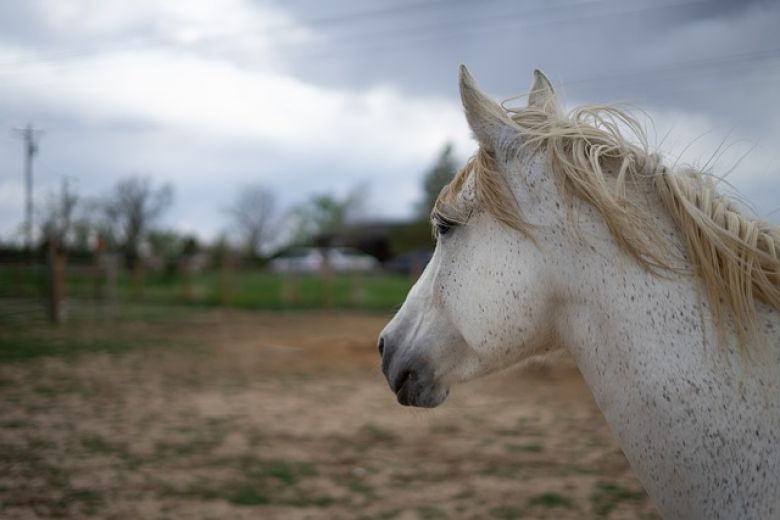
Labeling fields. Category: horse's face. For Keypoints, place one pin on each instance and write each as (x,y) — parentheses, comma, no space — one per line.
(485,300)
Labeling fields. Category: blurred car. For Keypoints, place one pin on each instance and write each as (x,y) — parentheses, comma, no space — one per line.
(414,261)
(312,259)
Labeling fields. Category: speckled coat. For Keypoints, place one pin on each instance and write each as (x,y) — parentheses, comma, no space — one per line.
(698,419)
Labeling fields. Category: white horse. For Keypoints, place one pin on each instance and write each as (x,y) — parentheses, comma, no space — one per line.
(559,233)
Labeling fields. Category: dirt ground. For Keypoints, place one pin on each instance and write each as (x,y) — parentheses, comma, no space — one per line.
(267,415)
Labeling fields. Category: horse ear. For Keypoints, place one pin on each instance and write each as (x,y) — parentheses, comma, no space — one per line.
(542,94)
(488,121)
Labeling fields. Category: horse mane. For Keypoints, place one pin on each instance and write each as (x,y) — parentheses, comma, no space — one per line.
(599,153)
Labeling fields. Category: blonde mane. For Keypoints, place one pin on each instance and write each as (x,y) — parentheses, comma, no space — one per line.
(591,155)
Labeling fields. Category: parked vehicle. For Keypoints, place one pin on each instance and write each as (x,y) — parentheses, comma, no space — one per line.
(414,261)
(312,260)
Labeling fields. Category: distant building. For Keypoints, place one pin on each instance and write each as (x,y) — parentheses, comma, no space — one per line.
(382,239)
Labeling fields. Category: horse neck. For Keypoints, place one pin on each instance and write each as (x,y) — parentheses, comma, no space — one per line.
(648,348)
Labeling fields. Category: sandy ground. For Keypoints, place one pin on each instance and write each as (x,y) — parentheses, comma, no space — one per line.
(261,415)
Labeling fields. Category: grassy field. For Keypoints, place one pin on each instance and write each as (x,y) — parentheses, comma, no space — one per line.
(190,412)
(247,289)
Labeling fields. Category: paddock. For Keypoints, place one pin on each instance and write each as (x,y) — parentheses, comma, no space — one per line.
(233,414)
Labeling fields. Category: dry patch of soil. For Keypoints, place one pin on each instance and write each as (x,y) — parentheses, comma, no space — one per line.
(267,415)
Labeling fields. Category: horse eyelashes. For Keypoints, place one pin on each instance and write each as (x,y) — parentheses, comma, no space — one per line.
(443,225)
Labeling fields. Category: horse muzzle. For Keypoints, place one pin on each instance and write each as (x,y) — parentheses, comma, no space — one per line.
(410,377)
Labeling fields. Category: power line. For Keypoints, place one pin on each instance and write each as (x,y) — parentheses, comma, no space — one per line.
(730,62)
(29,135)
(403,34)
(739,59)
(429,29)
(489,23)
(343,19)
(375,13)
(389,41)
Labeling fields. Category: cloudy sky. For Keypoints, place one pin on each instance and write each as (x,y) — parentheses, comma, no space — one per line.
(312,96)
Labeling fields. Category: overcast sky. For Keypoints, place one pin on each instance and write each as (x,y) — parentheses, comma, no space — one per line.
(312,96)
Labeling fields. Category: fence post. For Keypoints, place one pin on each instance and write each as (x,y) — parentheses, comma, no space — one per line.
(112,277)
(227,275)
(357,293)
(185,266)
(137,280)
(97,277)
(56,265)
(109,263)
(290,288)
(20,274)
(97,286)
(326,280)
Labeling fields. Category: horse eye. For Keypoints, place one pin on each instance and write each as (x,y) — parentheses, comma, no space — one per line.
(443,225)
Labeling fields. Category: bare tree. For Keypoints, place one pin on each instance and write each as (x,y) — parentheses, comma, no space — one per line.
(57,218)
(131,210)
(324,215)
(253,213)
(87,225)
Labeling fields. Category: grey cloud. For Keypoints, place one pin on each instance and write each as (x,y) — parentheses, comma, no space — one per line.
(595,51)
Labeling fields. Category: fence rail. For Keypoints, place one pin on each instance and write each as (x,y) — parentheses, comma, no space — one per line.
(104,288)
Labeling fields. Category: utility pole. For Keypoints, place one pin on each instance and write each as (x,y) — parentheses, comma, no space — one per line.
(30,135)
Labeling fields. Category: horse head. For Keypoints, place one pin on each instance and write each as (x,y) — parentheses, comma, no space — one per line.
(488,297)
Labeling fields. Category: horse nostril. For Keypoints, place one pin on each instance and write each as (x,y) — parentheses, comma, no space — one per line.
(381,346)
(401,379)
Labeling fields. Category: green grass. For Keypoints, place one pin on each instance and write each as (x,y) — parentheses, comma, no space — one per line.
(195,444)
(607,495)
(430,513)
(384,515)
(259,482)
(306,500)
(97,444)
(31,464)
(249,496)
(531,447)
(23,281)
(467,493)
(250,289)
(504,470)
(89,498)
(13,424)
(374,434)
(550,500)
(138,326)
(358,486)
(286,472)
(24,347)
(507,513)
